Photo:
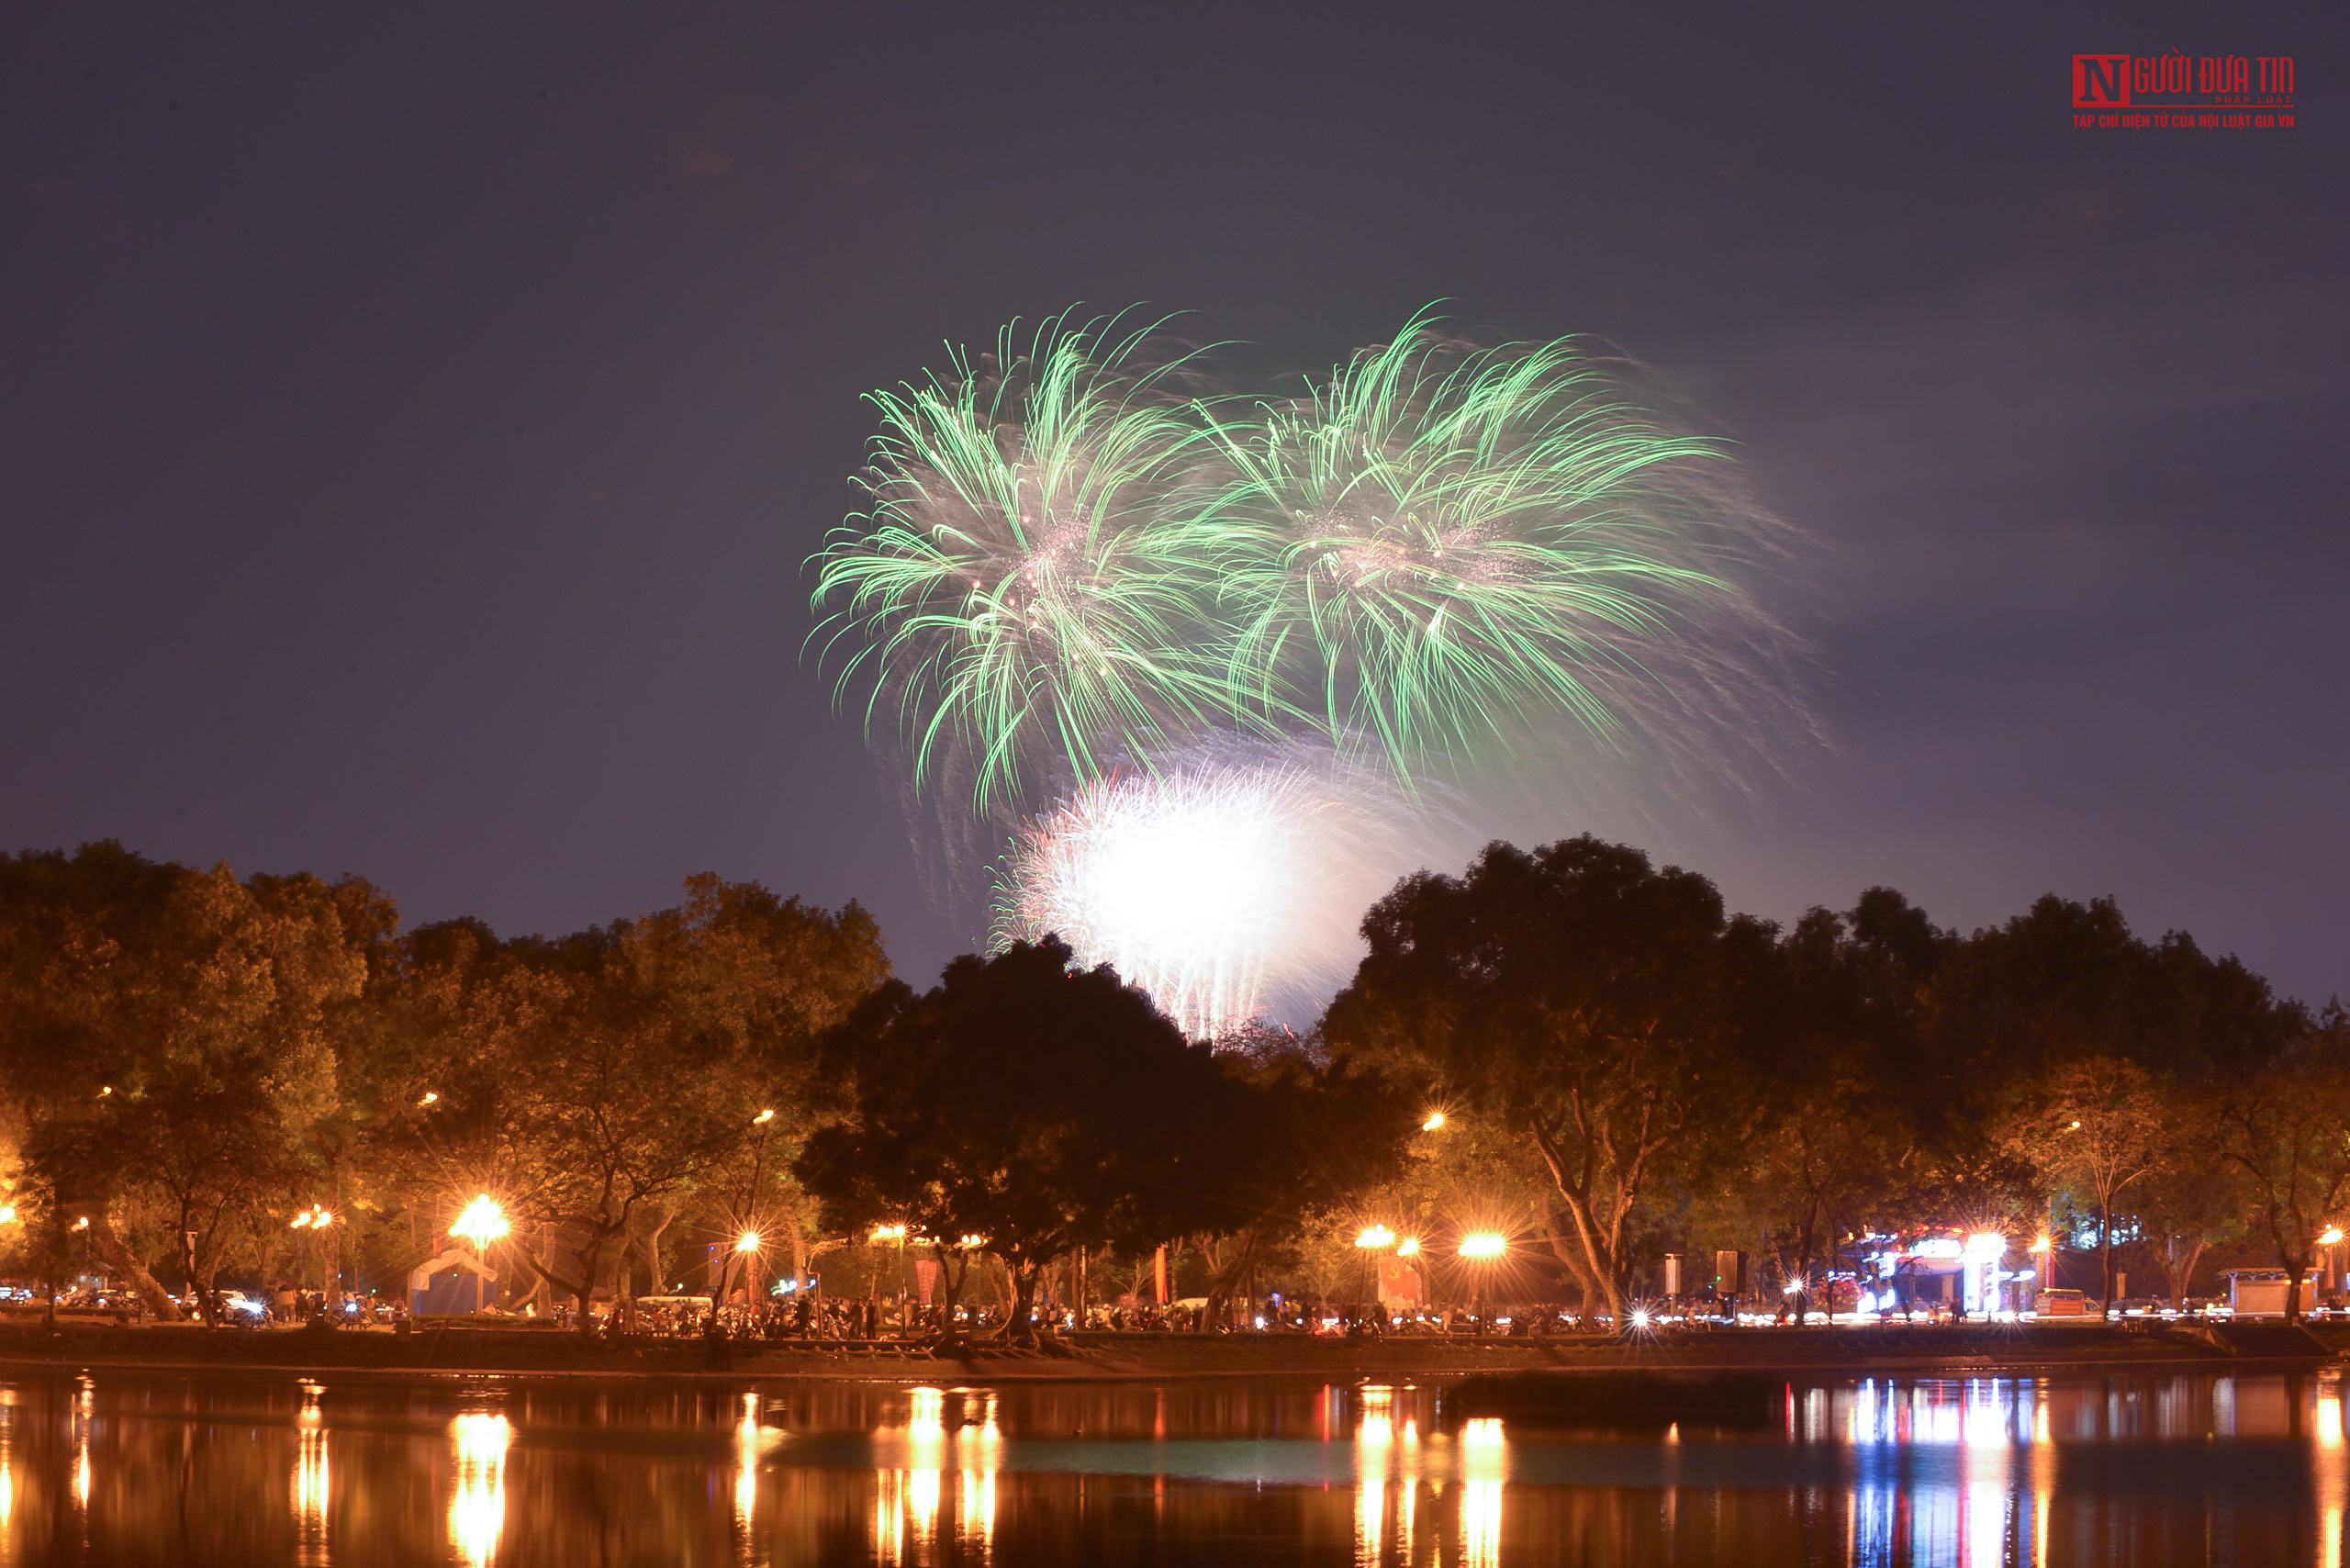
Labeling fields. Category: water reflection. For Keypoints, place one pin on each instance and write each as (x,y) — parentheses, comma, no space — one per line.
(944,1437)
(1961,1473)
(310,1477)
(477,1500)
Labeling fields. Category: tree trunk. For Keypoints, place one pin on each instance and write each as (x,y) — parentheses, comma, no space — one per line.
(1239,1259)
(2181,1256)
(653,1251)
(122,1260)
(1018,1330)
(2105,1253)
(797,1236)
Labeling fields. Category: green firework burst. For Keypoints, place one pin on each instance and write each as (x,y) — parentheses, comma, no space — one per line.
(1444,542)
(1014,588)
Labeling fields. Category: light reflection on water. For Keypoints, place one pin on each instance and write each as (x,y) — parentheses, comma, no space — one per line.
(477,1498)
(2156,1469)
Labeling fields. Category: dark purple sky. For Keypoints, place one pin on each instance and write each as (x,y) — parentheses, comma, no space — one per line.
(414,422)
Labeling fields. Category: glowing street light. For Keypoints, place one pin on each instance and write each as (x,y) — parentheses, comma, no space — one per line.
(82,1223)
(1435,1123)
(482,1222)
(430,1098)
(763,1119)
(2332,1236)
(1408,1247)
(747,1242)
(1375,1236)
(889,1233)
(1483,1244)
(8,1214)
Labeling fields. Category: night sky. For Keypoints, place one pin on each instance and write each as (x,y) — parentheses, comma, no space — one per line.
(415,417)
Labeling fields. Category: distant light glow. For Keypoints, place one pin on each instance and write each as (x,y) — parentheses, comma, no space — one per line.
(1483,1244)
(747,1242)
(1434,1123)
(1408,1247)
(1373,1236)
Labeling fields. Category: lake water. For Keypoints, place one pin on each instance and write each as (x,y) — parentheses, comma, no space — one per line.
(140,1468)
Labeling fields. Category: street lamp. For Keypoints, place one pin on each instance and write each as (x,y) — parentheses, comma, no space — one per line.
(1481,1248)
(481,1222)
(747,1244)
(896,1233)
(1435,1122)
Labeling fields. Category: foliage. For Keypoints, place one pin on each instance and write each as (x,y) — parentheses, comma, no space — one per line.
(1610,1011)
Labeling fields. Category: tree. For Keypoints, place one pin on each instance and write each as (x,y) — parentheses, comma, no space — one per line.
(1033,1108)
(2100,1126)
(2284,1126)
(598,1084)
(1854,1130)
(170,1035)
(1608,1011)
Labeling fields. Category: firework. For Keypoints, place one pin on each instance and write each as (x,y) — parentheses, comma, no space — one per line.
(1444,544)
(1221,670)
(1225,883)
(1011,588)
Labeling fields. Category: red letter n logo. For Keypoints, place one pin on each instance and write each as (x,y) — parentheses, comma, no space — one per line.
(2100,81)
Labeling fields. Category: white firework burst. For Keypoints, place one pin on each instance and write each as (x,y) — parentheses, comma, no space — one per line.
(1229,887)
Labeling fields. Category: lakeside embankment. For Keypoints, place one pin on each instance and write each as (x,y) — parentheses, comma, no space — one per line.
(1960,1350)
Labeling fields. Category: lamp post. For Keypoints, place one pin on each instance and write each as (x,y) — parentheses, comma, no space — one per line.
(1482,1248)
(896,1233)
(316,1219)
(1374,1238)
(482,1222)
(2331,1271)
(746,1246)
